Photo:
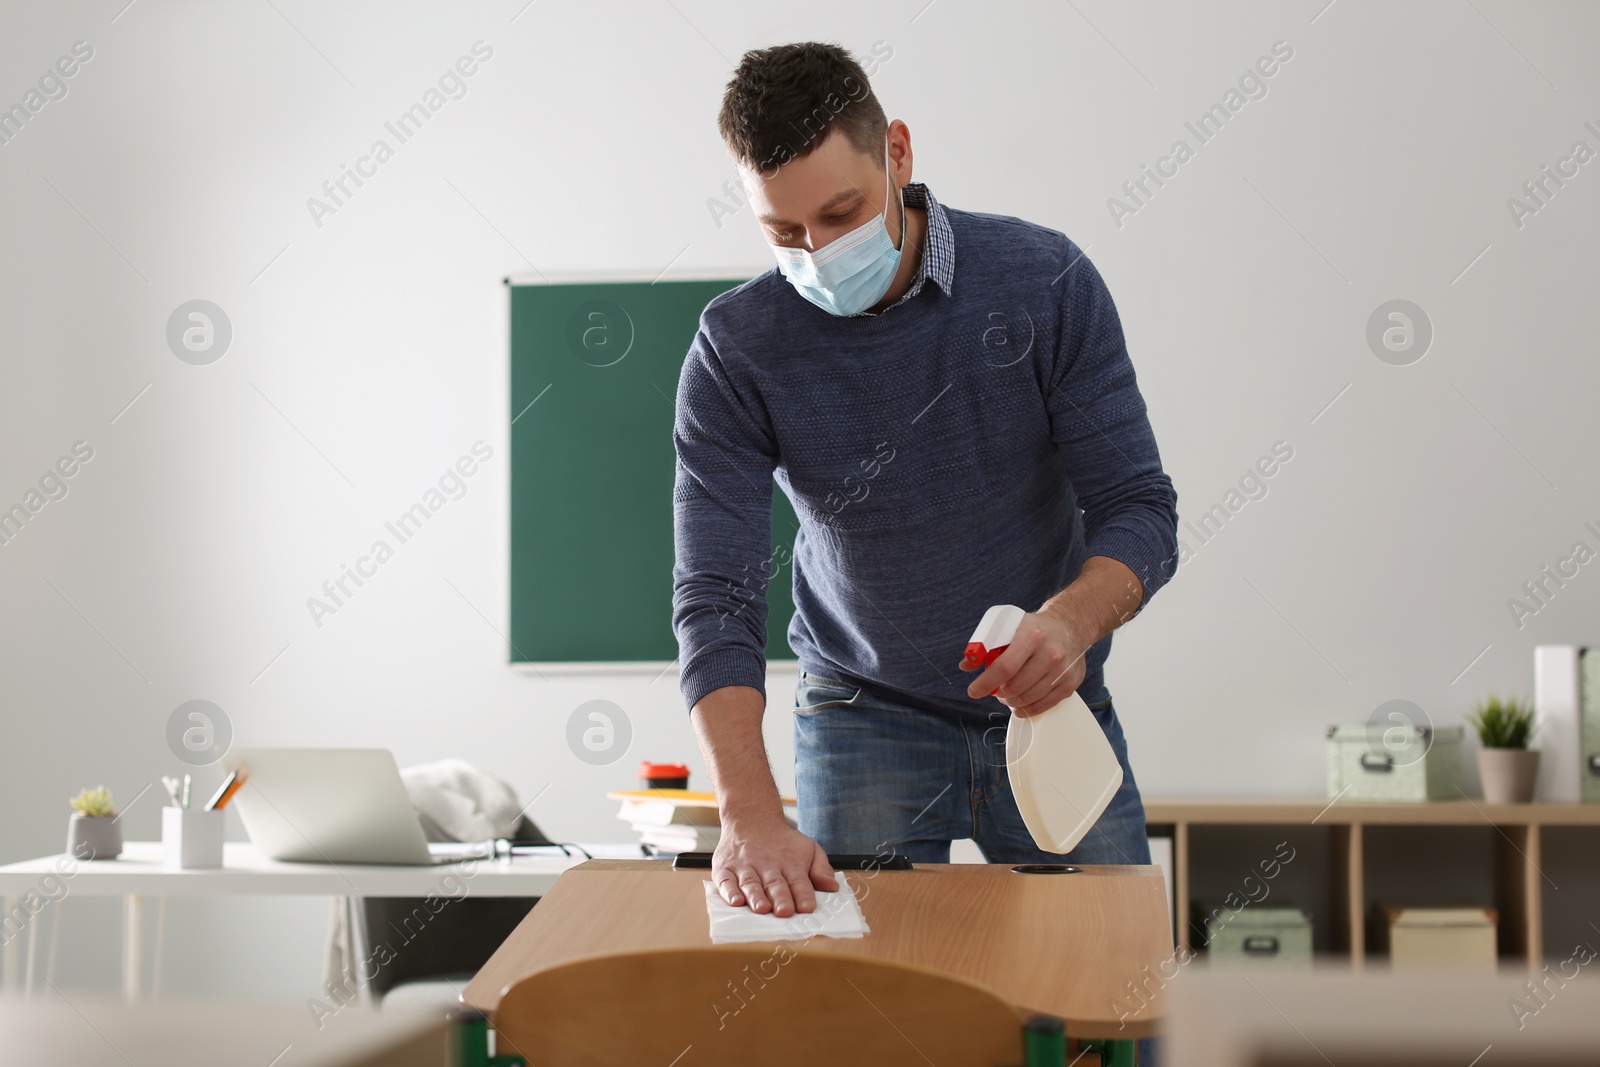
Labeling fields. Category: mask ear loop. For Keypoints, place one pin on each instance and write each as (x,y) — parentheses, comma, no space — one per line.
(888,181)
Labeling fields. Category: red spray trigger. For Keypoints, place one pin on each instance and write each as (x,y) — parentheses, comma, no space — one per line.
(978,656)
(994,634)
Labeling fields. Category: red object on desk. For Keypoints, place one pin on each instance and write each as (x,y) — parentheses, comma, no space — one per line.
(664,775)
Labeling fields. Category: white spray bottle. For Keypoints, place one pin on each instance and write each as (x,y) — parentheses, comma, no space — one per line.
(1062,769)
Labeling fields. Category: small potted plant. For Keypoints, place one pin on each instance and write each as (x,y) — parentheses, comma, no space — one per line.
(93,832)
(1505,764)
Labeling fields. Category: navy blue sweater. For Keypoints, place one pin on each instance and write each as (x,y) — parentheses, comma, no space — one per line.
(956,451)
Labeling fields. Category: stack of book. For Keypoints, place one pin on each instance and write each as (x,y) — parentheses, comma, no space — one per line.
(674,820)
(671,820)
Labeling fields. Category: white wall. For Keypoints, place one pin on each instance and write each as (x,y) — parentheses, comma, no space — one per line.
(370,353)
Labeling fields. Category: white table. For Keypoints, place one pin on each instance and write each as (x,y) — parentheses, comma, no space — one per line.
(58,1032)
(138,873)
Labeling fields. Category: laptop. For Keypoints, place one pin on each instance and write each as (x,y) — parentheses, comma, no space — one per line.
(329,805)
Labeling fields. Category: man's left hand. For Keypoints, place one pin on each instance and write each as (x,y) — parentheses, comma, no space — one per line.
(1043,665)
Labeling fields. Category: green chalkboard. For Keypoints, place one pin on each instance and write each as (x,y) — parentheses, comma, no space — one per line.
(594,382)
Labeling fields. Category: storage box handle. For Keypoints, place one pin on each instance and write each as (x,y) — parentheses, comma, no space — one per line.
(1370,762)
(1261,945)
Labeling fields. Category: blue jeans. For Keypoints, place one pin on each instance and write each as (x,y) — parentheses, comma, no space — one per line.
(873,775)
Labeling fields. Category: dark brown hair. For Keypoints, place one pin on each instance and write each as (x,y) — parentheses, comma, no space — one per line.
(783,102)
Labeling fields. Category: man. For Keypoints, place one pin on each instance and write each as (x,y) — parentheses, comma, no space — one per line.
(947,400)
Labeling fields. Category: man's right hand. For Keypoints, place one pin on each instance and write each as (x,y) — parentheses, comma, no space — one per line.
(772,867)
(760,860)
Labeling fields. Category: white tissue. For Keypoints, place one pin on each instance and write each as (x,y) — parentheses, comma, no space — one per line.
(837,915)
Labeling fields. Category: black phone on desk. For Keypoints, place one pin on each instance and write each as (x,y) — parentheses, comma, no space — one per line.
(839,861)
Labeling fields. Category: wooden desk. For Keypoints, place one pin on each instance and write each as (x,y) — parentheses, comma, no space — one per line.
(1064,944)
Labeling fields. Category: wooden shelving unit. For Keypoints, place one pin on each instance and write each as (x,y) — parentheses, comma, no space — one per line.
(1518,876)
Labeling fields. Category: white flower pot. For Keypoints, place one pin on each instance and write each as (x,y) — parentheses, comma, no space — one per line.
(1508,774)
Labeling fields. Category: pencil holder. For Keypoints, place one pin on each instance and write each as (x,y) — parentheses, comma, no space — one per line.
(191,839)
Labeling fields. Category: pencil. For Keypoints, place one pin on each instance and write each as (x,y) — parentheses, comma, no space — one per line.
(230,786)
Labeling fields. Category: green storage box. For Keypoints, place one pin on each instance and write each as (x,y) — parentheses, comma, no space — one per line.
(1255,935)
(1397,763)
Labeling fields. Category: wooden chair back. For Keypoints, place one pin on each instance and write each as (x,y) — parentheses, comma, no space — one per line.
(769,1004)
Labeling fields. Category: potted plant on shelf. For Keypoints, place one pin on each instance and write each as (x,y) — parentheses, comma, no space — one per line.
(1505,764)
(93,832)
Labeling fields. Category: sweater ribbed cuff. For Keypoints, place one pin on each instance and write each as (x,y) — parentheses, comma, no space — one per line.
(1139,556)
(719,667)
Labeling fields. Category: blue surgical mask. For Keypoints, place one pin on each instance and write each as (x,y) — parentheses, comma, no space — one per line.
(851,273)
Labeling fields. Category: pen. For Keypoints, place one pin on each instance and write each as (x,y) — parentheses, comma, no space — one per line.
(172,790)
(230,786)
(186,792)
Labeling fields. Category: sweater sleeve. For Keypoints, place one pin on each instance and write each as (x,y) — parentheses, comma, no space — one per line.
(722,528)
(1099,422)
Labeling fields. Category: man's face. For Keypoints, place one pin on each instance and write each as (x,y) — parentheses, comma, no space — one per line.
(811,201)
